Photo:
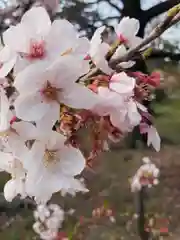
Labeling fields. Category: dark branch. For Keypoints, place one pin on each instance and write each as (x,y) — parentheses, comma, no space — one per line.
(159,8)
(114,6)
(156,53)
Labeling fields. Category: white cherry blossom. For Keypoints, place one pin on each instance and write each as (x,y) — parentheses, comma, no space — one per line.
(48,88)
(128,29)
(122,84)
(16,185)
(73,186)
(99,49)
(146,176)
(50,166)
(13,134)
(36,39)
(153,138)
(120,52)
(122,110)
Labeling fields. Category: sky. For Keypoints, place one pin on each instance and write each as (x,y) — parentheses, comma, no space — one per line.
(172,35)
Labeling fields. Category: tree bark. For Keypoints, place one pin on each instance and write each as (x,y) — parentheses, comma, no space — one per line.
(160,8)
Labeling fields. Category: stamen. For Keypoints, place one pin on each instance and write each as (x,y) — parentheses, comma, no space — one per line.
(37,50)
(50,157)
(67,52)
(5,133)
(50,93)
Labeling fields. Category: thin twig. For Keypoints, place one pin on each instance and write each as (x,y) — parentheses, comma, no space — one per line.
(161,28)
(169,21)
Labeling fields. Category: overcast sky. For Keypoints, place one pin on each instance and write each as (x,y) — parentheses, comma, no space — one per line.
(172,34)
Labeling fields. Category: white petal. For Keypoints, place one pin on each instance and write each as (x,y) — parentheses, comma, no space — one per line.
(56,140)
(49,119)
(5,160)
(122,84)
(72,161)
(33,162)
(79,96)
(7,59)
(16,37)
(133,114)
(10,191)
(4,115)
(134,42)
(128,27)
(62,37)
(121,51)
(82,47)
(7,67)
(96,40)
(117,118)
(99,58)
(37,21)
(154,139)
(26,130)
(34,76)
(17,146)
(20,65)
(30,107)
(128,64)
(141,107)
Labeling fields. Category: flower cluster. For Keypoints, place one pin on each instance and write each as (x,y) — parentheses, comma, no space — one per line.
(48,219)
(47,65)
(146,176)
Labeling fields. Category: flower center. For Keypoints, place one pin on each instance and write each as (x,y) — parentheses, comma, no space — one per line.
(50,156)
(50,93)
(5,133)
(122,39)
(147,177)
(37,50)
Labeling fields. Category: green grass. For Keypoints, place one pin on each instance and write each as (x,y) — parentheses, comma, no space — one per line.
(168,121)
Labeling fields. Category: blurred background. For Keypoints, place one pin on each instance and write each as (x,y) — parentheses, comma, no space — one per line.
(109,183)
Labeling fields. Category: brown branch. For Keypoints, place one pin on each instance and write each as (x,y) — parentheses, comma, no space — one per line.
(169,21)
(159,8)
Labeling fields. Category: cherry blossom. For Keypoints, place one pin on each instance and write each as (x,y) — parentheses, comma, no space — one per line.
(153,136)
(146,175)
(122,84)
(127,30)
(16,185)
(51,166)
(63,84)
(13,134)
(49,88)
(35,39)
(123,111)
(49,219)
(98,51)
